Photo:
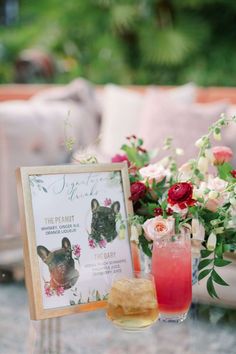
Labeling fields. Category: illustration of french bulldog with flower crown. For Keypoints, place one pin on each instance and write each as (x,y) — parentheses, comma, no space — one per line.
(61,265)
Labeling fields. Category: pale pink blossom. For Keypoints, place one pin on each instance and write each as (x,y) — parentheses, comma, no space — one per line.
(203,164)
(185,172)
(221,154)
(107,202)
(102,243)
(213,193)
(77,250)
(154,172)
(48,290)
(176,209)
(159,227)
(92,244)
(60,291)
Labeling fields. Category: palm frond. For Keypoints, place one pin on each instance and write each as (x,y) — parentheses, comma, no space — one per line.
(123,17)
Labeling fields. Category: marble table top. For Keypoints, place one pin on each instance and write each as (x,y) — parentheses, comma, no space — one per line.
(206,331)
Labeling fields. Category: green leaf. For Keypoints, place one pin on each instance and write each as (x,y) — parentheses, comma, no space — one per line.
(217,278)
(219,262)
(145,246)
(219,250)
(205,253)
(204,263)
(224,171)
(203,274)
(211,288)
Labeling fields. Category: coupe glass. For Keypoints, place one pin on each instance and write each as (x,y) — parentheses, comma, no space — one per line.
(172,271)
(132,302)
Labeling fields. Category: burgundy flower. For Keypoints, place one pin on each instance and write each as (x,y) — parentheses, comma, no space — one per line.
(138,190)
(181,194)
(158,211)
(233,173)
(120,158)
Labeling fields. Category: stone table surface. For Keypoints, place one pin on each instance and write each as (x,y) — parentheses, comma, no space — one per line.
(206,331)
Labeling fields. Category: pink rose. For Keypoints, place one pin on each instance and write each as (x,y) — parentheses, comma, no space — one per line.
(153,172)
(159,227)
(221,154)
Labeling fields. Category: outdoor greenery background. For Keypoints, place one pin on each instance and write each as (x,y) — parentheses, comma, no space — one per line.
(128,41)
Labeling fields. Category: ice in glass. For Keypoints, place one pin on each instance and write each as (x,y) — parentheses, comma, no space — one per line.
(132,303)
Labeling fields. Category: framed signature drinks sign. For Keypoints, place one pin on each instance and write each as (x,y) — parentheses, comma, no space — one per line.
(75,233)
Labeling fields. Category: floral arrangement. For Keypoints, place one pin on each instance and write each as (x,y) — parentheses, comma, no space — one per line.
(200,195)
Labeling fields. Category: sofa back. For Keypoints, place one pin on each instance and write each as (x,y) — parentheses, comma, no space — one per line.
(24,92)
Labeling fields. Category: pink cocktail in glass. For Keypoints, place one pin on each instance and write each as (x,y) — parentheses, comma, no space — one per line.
(172,271)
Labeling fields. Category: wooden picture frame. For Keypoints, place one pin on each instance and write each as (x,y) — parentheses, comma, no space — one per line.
(75,235)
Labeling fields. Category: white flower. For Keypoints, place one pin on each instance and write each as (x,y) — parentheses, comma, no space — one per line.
(135,233)
(179,152)
(200,142)
(213,192)
(217,184)
(233,201)
(217,136)
(200,191)
(213,195)
(185,172)
(159,227)
(209,155)
(203,164)
(211,242)
(154,172)
(176,209)
(198,230)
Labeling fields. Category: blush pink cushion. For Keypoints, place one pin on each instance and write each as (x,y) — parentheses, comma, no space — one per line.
(163,117)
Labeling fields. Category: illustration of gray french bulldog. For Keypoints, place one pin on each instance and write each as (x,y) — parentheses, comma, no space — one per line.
(61,265)
(103,224)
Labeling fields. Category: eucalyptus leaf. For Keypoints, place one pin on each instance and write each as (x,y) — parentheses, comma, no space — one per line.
(211,289)
(205,253)
(219,262)
(203,274)
(217,278)
(204,263)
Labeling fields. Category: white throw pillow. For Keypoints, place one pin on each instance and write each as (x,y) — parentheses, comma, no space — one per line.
(33,133)
(121,112)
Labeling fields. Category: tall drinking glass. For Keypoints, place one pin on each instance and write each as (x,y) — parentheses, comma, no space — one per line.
(172,271)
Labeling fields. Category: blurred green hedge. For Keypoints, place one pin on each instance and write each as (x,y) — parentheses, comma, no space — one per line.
(128,41)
